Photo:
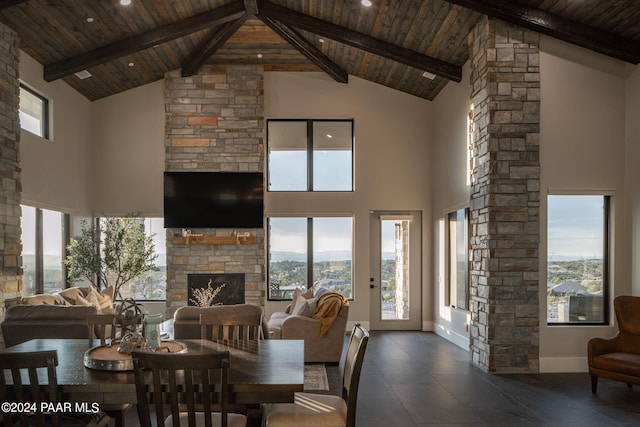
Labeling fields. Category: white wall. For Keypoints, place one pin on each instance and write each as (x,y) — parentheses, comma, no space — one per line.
(582,148)
(392,140)
(56,173)
(632,156)
(128,156)
(449,174)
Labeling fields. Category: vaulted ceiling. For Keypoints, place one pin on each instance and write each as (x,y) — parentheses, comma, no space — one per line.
(395,43)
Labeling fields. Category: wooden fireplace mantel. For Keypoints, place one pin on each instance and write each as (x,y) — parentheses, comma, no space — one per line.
(214,240)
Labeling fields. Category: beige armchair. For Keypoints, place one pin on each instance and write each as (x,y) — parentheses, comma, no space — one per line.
(328,348)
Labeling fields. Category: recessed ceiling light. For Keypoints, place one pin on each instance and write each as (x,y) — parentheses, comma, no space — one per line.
(329,136)
(125,2)
(131,64)
(366,3)
(259,55)
(89,19)
(429,75)
(84,74)
(321,40)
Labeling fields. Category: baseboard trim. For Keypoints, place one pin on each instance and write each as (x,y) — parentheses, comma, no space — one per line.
(454,337)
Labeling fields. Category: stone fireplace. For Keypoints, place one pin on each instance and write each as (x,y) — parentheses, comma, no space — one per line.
(214,123)
(231,293)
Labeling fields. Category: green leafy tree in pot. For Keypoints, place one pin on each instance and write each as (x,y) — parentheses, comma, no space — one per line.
(112,254)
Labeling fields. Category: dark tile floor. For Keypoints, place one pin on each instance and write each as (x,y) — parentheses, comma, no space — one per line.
(412,379)
(418,379)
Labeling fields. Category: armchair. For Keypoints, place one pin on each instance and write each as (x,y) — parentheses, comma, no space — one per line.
(618,358)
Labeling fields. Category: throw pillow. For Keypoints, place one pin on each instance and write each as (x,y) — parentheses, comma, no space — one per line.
(102,301)
(306,294)
(298,304)
(71,294)
(307,308)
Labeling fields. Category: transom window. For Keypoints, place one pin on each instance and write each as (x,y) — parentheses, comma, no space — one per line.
(310,155)
(305,252)
(577,259)
(34,112)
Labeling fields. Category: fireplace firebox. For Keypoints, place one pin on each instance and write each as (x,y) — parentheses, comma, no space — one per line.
(232,293)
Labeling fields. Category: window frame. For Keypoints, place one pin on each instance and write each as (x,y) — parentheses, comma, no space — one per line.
(451,290)
(310,153)
(606,262)
(44,125)
(309,254)
(39,247)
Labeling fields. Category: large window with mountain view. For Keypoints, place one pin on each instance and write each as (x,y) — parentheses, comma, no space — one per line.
(310,155)
(306,252)
(151,286)
(577,259)
(44,238)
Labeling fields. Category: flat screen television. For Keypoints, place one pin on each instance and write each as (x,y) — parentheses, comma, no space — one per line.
(213,200)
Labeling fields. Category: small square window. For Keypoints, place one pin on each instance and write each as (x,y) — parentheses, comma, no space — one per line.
(34,112)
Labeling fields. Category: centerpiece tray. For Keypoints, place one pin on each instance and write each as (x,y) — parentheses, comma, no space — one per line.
(107,358)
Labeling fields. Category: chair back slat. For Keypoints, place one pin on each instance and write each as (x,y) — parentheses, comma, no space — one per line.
(102,326)
(190,382)
(23,366)
(352,367)
(229,327)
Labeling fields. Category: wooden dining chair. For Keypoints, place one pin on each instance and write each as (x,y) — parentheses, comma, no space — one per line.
(311,410)
(231,326)
(27,388)
(191,384)
(103,327)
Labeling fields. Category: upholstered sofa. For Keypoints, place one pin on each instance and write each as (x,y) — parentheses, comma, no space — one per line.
(24,322)
(186,319)
(302,320)
(60,315)
(618,358)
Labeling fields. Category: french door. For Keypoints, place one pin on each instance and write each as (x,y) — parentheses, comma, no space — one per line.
(396,270)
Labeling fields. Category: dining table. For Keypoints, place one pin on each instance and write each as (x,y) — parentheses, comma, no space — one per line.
(260,371)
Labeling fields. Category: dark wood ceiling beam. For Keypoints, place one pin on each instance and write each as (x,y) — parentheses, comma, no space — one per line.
(9,3)
(213,18)
(314,54)
(210,46)
(558,27)
(251,6)
(360,41)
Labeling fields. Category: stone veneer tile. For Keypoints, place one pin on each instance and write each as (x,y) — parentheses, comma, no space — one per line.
(214,123)
(505,198)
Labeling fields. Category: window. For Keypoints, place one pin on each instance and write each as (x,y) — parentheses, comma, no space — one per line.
(34,112)
(44,238)
(153,285)
(577,259)
(305,252)
(310,155)
(458,259)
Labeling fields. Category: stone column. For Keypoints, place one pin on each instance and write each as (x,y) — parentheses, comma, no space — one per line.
(10,190)
(214,122)
(505,193)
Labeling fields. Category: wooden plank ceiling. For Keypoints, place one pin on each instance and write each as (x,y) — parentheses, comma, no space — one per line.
(392,42)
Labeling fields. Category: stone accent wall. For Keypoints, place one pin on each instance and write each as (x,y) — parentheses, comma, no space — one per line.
(505,194)
(10,190)
(214,122)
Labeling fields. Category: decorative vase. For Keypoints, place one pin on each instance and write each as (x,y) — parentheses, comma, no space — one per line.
(152,330)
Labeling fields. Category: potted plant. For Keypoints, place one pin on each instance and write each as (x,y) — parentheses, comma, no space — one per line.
(110,254)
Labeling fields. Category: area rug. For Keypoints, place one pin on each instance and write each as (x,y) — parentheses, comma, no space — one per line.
(315,378)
